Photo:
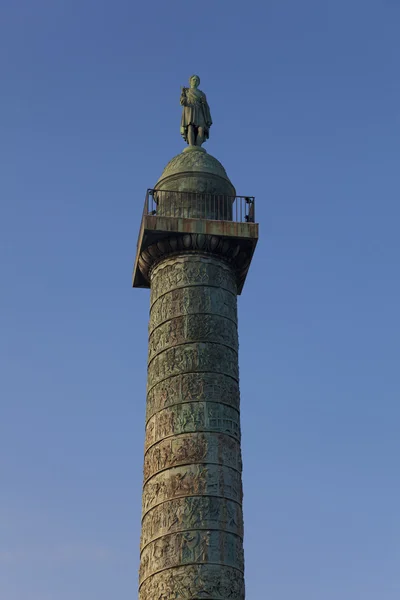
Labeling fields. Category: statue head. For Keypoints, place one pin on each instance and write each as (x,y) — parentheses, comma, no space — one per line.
(194,81)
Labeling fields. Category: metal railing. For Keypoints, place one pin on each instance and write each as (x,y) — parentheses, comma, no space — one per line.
(194,205)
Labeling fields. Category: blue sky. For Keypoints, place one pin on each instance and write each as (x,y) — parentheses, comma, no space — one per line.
(305,98)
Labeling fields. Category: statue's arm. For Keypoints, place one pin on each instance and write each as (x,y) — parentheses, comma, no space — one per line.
(183,99)
(207,111)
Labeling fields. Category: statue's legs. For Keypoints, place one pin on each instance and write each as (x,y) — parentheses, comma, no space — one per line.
(191,135)
(200,136)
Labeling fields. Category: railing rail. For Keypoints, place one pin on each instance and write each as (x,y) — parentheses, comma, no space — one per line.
(194,205)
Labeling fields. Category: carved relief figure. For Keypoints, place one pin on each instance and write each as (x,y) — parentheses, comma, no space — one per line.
(176,273)
(213,387)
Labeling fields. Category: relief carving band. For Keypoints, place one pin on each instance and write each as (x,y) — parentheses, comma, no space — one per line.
(191,417)
(192,480)
(192,512)
(201,328)
(193,358)
(190,547)
(183,271)
(192,489)
(197,300)
(193,582)
(173,452)
(210,448)
(192,387)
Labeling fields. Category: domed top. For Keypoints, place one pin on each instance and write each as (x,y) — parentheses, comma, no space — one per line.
(197,160)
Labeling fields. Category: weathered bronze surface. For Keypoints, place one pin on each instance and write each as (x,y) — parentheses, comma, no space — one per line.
(192,524)
(195,265)
(196,117)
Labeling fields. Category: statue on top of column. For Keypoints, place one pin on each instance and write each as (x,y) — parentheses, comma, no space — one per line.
(196,117)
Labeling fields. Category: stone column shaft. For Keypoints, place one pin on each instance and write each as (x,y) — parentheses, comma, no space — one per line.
(192,523)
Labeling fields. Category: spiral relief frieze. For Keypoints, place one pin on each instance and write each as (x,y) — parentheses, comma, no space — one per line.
(192,512)
(193,387)
(196,300)
(192,522)
(212,448)
(192,417)
(195,582)
(192,480)
(193,357)
(229,250)
(191,270)
(188,547)
(199,327)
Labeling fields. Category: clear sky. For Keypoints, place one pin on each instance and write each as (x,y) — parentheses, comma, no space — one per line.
(305,98)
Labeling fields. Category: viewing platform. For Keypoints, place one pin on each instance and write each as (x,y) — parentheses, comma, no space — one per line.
(176,221)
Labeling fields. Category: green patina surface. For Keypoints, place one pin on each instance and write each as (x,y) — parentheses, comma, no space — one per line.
(158,228)
(192,494)
(192,521)
(196,163)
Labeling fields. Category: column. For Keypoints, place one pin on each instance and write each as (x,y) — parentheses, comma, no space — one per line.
(192,523)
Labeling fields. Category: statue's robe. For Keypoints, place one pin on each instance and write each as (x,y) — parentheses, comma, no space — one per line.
(195,112)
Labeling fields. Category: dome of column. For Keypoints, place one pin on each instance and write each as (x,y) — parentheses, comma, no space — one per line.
(194,170)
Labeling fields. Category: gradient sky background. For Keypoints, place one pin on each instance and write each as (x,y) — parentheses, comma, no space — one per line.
(305,98)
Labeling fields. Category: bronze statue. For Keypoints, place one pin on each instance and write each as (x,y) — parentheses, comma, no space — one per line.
(196,117)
